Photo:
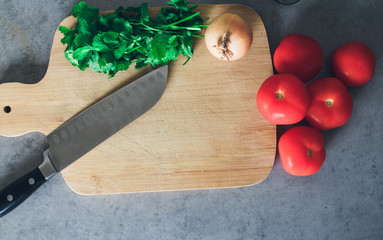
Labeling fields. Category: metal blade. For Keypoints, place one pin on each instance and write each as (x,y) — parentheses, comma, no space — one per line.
(98,122)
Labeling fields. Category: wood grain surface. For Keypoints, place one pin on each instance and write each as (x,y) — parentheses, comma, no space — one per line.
(205,132)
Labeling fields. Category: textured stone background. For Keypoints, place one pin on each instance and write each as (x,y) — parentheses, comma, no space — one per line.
(344,200)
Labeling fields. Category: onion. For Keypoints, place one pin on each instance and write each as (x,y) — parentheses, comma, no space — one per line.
(228,37)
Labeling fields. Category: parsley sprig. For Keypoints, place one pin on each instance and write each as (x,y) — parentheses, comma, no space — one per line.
(112,42)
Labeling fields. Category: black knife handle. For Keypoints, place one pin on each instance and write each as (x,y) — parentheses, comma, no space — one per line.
(15,193)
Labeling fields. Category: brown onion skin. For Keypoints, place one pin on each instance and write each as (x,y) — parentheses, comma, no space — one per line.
(238,32)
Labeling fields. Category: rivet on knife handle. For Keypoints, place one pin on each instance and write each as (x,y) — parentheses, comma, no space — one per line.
(15,193)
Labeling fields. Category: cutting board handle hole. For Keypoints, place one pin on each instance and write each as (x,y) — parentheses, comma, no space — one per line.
(7,109)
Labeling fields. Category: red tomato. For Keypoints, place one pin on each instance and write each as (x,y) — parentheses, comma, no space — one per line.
(299,55)
(283,99)
(302,150)
(353,63)
(331,103)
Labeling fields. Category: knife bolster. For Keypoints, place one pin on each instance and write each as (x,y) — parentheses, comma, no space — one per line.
(46,167)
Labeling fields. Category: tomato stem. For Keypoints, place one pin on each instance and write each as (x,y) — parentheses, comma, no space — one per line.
(309,152)
(329,102)
(279,95)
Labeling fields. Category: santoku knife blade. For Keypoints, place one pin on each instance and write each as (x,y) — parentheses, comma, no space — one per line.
(85,131)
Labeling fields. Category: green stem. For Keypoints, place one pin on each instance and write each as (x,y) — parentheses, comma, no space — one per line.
(123,35)
(186,61)
(193,28)
(151,28)
(182,20)
(146,26)
(133,49)
(199,36)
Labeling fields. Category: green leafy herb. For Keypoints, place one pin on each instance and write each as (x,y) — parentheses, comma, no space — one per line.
(112,42)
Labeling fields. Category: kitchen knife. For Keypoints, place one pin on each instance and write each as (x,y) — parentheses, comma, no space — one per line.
(85,131)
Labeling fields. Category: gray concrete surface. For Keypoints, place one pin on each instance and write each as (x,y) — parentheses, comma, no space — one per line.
(344,200)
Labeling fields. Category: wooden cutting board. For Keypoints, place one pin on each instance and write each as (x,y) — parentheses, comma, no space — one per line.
(205,132)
